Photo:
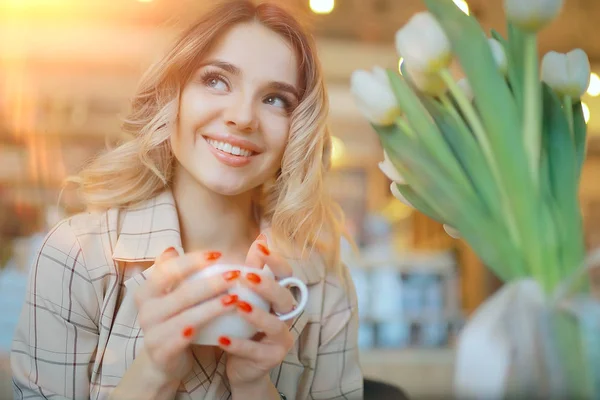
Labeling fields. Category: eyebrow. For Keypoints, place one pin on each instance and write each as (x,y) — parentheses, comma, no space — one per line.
(232,69)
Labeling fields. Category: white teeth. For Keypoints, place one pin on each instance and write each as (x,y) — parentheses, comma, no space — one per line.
(228,148)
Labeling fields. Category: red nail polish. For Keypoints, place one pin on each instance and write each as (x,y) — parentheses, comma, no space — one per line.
(224,341)
(188,332)
(229,299)
(231,275)
(263,248)
(245,307)
(170,250)
(213,255)
(252,277)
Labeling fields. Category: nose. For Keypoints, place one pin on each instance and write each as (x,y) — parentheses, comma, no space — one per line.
(241,114)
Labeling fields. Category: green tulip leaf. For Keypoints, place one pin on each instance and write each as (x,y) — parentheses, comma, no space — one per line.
(500,117)
(580,136)
(426,130)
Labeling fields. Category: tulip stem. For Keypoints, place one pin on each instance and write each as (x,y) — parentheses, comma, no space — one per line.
(532,106)
(471,115)
(405,127)
(568,104)
(479,131)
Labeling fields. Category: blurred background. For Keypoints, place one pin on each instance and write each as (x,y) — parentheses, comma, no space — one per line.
(69,67)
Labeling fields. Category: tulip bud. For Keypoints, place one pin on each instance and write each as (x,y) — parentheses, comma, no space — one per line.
(431,84)
(423,44)
(532,15)
(389,169)
(567,74)
(374,96)
(398,195)
(499,55)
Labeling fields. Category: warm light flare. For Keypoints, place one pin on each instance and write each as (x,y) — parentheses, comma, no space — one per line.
(338,149)
(586,112)
(462,4)
(322,6)
(594,86)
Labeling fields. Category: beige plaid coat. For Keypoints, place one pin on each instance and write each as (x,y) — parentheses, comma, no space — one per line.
(78,331)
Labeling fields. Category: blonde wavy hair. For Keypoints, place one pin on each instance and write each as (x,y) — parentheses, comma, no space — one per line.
(296,205)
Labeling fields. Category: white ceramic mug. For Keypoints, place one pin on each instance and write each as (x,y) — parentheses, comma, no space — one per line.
(232,324)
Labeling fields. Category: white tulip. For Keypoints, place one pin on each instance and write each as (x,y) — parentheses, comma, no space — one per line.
(532,15)
(499,55)
(399,195)
(429,83)
(423,44)
(466,88)
(567,74)
(374,96)
(389,169)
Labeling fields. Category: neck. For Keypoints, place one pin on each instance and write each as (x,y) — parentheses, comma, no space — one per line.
(213,222)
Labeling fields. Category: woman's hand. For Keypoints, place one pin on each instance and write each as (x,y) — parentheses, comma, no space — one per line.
(250,361)
(170,313)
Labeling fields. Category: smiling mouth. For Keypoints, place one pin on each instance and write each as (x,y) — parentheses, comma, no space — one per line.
(228,148)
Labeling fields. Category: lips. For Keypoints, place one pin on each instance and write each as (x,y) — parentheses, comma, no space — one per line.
(229,148)
(233,152)
(234,141)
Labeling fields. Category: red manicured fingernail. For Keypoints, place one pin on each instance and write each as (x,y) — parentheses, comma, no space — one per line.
(245,307)
(224,341)
(261,237)
(252,277)
(229,299)
(188,332)
(263,248)
(171,251)
(213,255)
(231,275)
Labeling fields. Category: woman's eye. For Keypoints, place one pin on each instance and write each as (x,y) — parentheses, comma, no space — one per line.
(276,101)
(216,83)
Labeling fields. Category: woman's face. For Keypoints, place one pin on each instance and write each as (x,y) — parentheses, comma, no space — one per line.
(234,114)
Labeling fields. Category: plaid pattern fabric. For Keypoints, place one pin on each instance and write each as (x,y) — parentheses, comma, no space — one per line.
(78,332)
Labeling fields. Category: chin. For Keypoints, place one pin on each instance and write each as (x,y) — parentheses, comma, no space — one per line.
(226,187)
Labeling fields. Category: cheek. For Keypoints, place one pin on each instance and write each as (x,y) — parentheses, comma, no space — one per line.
(278,138)
(195,109)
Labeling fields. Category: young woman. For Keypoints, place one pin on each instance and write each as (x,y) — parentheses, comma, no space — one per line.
(227,164)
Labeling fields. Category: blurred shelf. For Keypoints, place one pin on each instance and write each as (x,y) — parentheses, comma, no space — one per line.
(446,317)
(421,373)
(408,356)
(434,262)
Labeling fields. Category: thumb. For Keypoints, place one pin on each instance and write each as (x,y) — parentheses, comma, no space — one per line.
(254,257)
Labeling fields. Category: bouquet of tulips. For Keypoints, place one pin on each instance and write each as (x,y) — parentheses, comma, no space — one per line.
(496,157)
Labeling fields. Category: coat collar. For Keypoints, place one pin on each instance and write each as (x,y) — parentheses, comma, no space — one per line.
(151,227)
(148,229)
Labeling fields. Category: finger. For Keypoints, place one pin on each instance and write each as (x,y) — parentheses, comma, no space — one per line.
(168,274)
(254,258)
(188,294)
(166,255)
(260,352)
(277,264)
(280,297)
(143,292)
(182,329)
(262,320)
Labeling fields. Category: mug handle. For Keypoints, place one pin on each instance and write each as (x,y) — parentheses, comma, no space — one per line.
(303,297)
